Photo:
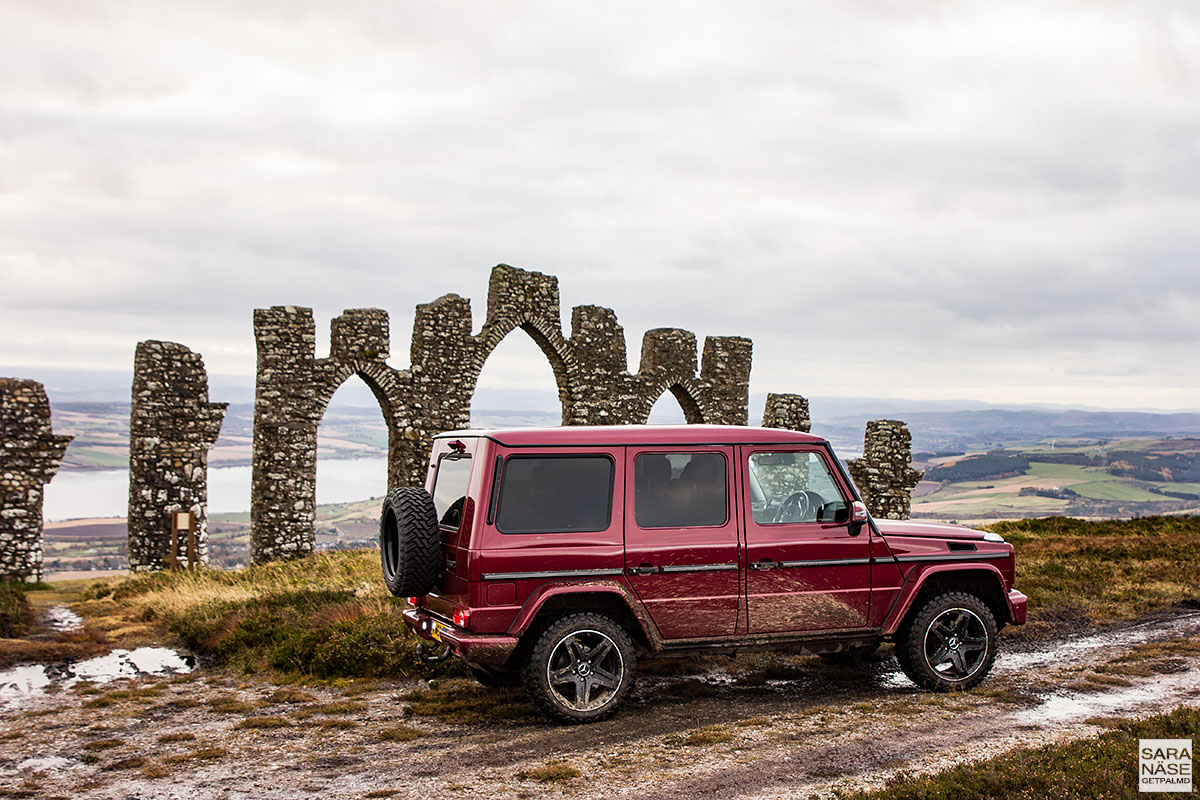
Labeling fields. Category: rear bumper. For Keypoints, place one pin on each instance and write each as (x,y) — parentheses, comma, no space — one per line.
(475,648)
(1016,607)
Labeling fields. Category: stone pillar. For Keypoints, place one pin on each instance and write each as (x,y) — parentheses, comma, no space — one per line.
(726,368)
(30,454)
(884,475)
(787,411)
(603,391)
(172,426)
(286,414)
(443,378)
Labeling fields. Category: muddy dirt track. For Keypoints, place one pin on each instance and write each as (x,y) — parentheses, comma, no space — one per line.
(758,726)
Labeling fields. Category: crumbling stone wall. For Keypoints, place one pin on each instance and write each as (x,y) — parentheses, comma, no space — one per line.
(787,411)
(884,475)
(30,455)
(172,426)
(434,393)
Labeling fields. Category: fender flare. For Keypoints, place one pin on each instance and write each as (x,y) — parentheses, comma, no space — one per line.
(541,595)
(920,575)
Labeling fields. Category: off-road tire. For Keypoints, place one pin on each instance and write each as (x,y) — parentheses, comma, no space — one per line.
(410,542)
(931,630)
(561,648)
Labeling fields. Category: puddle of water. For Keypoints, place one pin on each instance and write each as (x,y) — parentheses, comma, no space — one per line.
(1074,706)
(19,685)
(63,620)
(45,764)
(23,681)
(1073,649)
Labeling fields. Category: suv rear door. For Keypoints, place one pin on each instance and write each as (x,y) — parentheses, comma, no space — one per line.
(681,538)
(805,572)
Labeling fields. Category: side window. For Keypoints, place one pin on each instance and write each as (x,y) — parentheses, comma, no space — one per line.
(450,488)
(679,490)
(793,487)
(555,494)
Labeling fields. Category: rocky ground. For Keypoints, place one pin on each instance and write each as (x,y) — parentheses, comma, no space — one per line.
(757,726)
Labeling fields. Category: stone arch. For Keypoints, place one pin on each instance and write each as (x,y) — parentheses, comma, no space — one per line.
(686,393)
(548,339)
(381,380)
(434,393)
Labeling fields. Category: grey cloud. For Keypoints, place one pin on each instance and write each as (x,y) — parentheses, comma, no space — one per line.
(864,183)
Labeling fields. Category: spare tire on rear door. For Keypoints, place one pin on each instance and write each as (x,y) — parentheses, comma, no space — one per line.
(410,542)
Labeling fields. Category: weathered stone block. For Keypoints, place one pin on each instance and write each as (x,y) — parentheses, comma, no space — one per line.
(787,411)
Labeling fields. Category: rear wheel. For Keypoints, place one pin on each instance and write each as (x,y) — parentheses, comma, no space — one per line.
(410,542)
(581,668)
(950,643)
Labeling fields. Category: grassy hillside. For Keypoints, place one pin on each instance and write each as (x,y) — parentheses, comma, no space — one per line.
(327,616)
(1078,572)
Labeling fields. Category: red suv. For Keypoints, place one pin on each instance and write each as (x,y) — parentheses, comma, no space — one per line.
(558,557)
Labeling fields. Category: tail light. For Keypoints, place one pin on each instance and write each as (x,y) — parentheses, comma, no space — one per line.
(415,601)
(462,617)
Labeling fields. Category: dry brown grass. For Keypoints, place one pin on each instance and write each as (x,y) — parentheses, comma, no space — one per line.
(701,737)
(102,744)
(257,723)
(400,733)
(465,702)
(556,771)
(289,694)
(201,754)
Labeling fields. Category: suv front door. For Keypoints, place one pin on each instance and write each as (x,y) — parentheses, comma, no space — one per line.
(805,572)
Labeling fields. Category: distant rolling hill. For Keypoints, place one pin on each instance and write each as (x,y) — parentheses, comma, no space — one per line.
(102,429)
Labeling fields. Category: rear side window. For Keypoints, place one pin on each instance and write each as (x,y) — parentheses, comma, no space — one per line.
(450,488)
(679,490)
(555,494)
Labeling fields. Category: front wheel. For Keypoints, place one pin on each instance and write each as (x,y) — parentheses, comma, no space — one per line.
(581,668)
(950,644)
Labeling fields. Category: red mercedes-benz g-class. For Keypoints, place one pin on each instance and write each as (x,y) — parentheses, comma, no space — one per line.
(561,556)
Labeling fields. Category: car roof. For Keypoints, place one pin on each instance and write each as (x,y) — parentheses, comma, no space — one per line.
(574,435)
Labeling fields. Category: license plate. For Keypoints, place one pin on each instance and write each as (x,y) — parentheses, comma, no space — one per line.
(436,629)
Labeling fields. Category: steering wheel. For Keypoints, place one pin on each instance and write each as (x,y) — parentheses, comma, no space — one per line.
(796,502)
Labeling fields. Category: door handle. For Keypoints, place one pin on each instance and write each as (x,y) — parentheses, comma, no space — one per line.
(765,563)
(643,569)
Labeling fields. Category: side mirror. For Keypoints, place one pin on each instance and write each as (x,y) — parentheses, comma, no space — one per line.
(858,517)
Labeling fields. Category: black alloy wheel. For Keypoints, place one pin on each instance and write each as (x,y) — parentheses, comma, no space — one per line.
(581,668)
(950,643)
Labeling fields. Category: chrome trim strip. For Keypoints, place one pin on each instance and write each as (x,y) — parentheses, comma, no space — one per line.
(952,557)
(554,573)
(700,568)
(828,562)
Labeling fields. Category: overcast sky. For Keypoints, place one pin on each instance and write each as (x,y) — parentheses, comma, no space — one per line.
(993,201)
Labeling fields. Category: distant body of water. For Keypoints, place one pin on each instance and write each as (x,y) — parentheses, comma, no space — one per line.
(105,493)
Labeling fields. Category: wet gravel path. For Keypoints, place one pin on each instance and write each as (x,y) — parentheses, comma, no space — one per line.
(759,726)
